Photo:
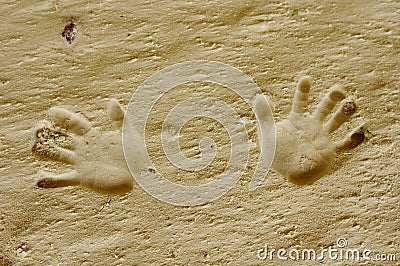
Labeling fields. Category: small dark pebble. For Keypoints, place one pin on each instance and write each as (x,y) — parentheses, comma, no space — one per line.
(70,32)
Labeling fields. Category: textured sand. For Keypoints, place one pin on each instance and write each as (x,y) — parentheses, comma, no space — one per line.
(118,47)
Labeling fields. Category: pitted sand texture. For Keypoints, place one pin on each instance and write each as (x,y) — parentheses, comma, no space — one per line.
(118,45)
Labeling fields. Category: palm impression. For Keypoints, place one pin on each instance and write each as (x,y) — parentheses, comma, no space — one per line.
(304,151)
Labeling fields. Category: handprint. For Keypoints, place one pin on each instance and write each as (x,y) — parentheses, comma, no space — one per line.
(97,156)
(304,152)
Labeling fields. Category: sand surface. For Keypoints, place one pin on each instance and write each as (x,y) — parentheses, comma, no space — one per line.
(122,43)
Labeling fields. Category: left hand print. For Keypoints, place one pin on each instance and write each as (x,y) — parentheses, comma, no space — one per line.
(97,156)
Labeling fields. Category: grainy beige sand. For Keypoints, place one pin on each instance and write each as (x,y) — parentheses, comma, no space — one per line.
(122,43)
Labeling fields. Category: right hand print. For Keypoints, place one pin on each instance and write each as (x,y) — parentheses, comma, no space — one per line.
(304,152)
